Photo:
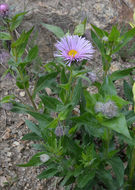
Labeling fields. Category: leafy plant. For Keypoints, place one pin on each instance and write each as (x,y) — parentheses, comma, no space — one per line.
(77,133)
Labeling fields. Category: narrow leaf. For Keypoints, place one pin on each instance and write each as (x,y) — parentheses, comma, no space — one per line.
(54,29)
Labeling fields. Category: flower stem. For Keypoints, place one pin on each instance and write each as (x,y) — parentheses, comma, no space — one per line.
(107,142)
(31,99)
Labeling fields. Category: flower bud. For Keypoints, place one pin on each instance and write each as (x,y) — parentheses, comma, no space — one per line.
(9,76)
(7,106)
(110,110)
(59,131)
(99,107)
(44,158)
(4,10)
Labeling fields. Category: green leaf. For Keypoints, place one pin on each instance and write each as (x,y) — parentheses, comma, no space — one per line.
(23,37)
(118,124)
(130,117)
(118,169)
(5,36)
(114,35)
(98,43)
(7,99)
(65,86)
(48,173)
(50,102)
(54,29)
(65,112)
(21,42)
(118,101)
(106,178)
(42,118)
(80,28)
(31,136)
(34,161)
(21,108)
(16,20)
(128,91)
(77,92)
(85,178)
(101,33)
(90,101)
(63,77)
(121,74)
(32,53)
(44,82)
(91,124)
(124,39)
(66,178)
(53,124)
(33,127)
(101,47)
(22,83)
(86,119)
(108,87)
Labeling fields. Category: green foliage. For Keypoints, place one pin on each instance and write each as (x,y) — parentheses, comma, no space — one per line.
(80,28)
(118,124)
(76,132)
(54,29)
(5,36)
(128,91)
(16,20)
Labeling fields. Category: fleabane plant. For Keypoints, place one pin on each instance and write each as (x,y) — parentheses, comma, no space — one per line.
(77,132)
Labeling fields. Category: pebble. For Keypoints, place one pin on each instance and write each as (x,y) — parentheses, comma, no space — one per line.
(16,143)
(22,93)
(9,154)
(20,148)
(48,91)
(6,135)
(3,180)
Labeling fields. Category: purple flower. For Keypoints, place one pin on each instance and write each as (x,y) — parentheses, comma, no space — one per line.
(4,56)
(59,131)
(74,48)
(9,76)
(4,10)
(7,106)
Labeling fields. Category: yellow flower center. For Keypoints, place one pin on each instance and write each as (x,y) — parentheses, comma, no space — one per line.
(72,53)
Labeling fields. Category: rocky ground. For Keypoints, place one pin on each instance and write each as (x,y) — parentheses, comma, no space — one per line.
(63,13)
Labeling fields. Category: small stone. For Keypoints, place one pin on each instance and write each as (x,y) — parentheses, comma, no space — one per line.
(48,91)
(5,93)
(20,148)
(22,93)
(9,154)
(44,157)
(1,172)
(6,135)
(3,180)
(16,143)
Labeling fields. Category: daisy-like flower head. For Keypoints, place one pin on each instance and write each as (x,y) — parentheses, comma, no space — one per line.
(74,48)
